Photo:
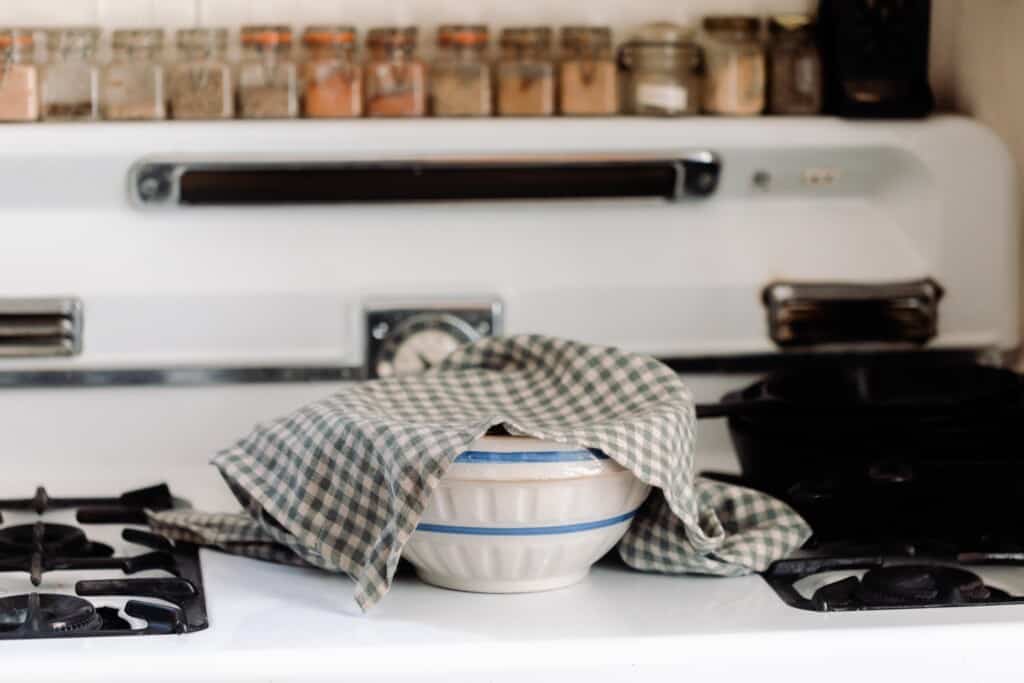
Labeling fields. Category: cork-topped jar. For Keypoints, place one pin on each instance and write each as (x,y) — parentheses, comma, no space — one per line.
(663,64)
(200,83)
(735,65)
(19,76)
(395,79)
(461,75)
(332,79)
(70,89)
(267,75)
(133,81)
(526,73)
(795,84)
(588,77)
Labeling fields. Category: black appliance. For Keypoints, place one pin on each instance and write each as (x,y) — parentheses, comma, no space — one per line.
(171,602)
(875,54)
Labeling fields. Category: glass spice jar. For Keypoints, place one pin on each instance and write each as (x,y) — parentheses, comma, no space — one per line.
(132,85)
(19,76)
(526,73)
(331,76)
(664,71)
(734,60)
(267,74)
(395,80)
(588,77)
(795,83)
(461,76)
(70,85)
(200,84)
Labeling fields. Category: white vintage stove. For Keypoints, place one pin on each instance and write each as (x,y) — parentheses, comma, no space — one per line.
(165,286)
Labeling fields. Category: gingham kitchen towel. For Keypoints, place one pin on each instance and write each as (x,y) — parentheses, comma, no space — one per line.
(341,483)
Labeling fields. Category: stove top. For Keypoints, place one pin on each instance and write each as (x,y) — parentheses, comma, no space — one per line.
(854,576)
(132,583)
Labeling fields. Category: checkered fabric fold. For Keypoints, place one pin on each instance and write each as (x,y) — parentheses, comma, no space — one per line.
(342,482)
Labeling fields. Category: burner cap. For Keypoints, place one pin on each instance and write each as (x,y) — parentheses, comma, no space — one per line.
(922,585)
(47,613)
(56,540)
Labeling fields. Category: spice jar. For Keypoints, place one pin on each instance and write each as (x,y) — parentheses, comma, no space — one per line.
(395,80)
(735,65)
(795,80)
(331,76)
(267,75)
(461,76)
(526,74)
(663,67)
(199,83)
(133,81)
(70,85)
(587,74)
(19,76)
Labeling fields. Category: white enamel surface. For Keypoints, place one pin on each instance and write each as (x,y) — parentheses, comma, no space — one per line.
(271,623)
(286,285)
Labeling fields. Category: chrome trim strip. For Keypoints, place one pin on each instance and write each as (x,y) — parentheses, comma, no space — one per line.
(182,376)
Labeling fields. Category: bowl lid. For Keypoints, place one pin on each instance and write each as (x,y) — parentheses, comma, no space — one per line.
(517,458)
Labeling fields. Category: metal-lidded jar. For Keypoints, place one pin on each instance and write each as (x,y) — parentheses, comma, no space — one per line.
(267,74)
(70,89)
(663,66)
(19,76)
(132,85)
(526,73)
(588,76)
(332,78)
(200,84)
(395,79)
(734,58)
(460,78)
(795,84)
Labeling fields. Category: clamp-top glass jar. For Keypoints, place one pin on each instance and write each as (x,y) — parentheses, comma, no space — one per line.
(461,76)
(267,74)
(70,88)
(663,66)
(587,74)
(331,76)
(795,85)
(133,82)
(200,84)
(395,78)
(735,64)
(526,73)
(19,76)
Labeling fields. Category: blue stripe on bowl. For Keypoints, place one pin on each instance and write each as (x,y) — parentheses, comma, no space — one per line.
(582,455)
(526,531)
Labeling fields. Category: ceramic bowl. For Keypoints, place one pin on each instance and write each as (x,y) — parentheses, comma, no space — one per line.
(514,515)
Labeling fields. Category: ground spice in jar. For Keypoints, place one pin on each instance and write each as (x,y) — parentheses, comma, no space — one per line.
(333,80)
(267,76)
(735,65)
(19,77)
(795,85)
(133,82)
(461,77)
(588,78)
(200,85)
(395,80)
(526,78)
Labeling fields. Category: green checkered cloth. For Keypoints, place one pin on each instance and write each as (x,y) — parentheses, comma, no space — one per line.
(341,483)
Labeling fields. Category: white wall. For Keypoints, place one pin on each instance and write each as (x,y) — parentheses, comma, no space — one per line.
(621,14)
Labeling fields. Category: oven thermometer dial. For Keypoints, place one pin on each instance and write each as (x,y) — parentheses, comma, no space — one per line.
(420,342)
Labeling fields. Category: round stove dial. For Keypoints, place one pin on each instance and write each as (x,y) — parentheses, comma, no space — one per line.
(420,342)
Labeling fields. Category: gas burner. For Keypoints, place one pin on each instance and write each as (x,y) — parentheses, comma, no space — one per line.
(884,585)
(52,540)
(41,614)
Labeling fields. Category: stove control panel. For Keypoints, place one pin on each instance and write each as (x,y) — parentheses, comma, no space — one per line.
(406,337)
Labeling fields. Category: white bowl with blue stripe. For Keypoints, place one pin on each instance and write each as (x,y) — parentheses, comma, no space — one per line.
(514,515)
